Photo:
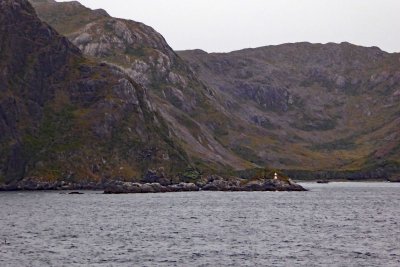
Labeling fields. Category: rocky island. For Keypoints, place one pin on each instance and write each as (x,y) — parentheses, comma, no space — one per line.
(212,183)
(160,185)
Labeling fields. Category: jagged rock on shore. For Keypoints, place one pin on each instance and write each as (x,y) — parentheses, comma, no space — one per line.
(216,183)
(211,183)
(127,187)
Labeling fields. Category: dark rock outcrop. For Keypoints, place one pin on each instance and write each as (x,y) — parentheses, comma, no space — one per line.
(35,184)
(216,183)
(208,183)
(127,187)
(395,179)
(220,184)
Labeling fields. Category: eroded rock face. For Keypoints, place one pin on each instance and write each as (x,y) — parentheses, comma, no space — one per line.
(136,48)
(185,103)
(127,188)
(64,116)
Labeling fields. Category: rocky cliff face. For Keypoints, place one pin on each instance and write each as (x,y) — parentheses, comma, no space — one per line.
(328,106)
(65,116)
(191,109)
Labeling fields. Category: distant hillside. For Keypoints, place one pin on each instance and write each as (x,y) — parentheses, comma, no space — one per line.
(333,106)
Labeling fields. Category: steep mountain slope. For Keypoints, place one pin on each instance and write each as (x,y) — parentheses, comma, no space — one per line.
(333,106)
(192,109)
(64,116)
(295,106)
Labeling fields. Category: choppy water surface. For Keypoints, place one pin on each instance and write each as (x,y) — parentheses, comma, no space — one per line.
(336,224)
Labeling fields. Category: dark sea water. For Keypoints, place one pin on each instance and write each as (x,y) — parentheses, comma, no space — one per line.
(336,224)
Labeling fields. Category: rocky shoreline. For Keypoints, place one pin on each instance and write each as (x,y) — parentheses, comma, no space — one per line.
(212,183)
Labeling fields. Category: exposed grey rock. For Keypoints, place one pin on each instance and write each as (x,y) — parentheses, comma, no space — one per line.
(237,184)
(212,183)
(183,187)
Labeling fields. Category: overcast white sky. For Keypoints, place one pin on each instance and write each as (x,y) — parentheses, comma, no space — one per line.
(226,25)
